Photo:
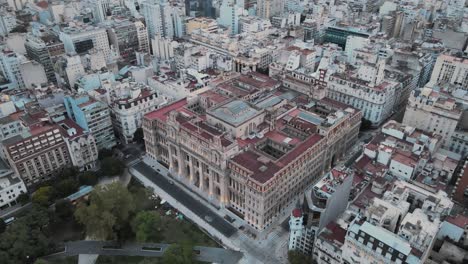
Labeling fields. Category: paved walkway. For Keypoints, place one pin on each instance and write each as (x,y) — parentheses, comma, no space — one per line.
(109,248)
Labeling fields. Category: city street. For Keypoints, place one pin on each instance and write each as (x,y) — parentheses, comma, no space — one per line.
(272,249)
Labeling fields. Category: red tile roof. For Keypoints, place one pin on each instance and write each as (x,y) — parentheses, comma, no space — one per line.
(161,113)
(459,220)
(297,212)
(335,233)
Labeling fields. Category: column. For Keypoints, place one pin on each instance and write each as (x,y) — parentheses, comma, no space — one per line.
(181,163)
(202,179)
(192,174)
(210,186)
(171,163)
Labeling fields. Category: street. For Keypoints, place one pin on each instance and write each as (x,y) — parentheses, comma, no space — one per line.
(108,248)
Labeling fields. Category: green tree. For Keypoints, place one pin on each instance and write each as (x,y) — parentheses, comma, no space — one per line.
(138,136)
(63,209)
(296,257)
(43,196)
(2,225)
(146,226)
(111,166)
(108,211)
(179,254)
(365,124)
(69,173)
(88,178)
(26,238)
(66,187)
(104,153)
(23,199)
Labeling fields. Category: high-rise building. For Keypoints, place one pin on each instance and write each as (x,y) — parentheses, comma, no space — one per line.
(7,21)
(45,50)
(200,8)
(82,38)
(127,38)
(158,18)
(323,203)
(93,116)
(450,69)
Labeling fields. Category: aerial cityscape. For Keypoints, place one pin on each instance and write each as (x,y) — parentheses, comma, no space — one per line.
(233,131)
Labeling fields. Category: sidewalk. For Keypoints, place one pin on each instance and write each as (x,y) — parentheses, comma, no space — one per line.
(12,210)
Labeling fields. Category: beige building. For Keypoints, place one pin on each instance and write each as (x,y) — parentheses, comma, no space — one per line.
(253,158)
(202,23)
(38,155)
(434,112)
(450,69)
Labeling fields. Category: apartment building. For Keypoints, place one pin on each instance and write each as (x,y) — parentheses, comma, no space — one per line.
(127,37)
(38,155)
(322,204)
(93,116)
(81,144)
(129,102)
(81,38)
(365,89)
(11,186)
(45,50)
(450,69)
(433,111)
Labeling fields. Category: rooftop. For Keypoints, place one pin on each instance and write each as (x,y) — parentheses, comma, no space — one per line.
(235,112)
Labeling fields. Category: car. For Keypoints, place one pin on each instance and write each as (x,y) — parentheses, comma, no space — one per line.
(9,220)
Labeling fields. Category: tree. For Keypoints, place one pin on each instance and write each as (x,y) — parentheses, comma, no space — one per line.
(108,211)
(2,225)
(41,261)
(146,225)
(365,124)
(296,257)
(43,196)
(26,238)
(69,173)
(138,136)
(179,254)
(66,187)
(63,209)
(111,166)
(23,199)
(104,153)
(88,178)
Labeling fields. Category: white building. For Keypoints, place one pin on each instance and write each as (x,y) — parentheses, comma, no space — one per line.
(367,243)
(450,69)
(79,39)
(434,112)
(11,186)
(129,102)
(7,22)
(158,18)
(81,145)
(142,34)
(365,90)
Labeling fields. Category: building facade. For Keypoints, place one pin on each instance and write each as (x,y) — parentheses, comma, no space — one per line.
(93,116)
(243,154)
